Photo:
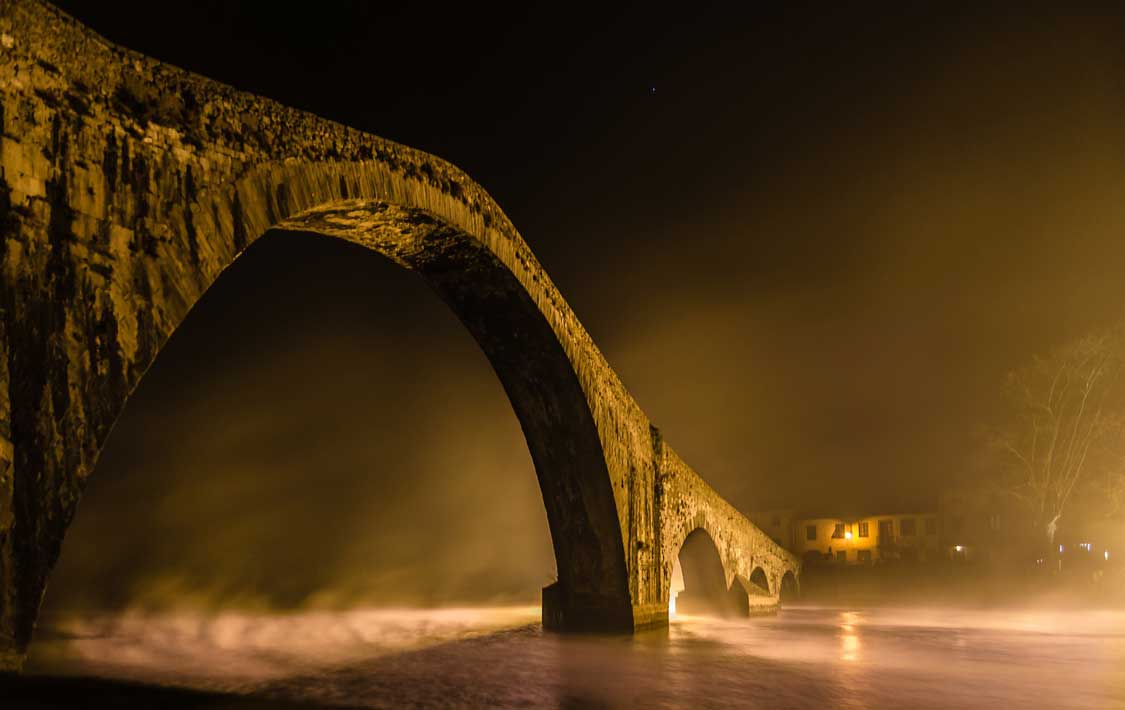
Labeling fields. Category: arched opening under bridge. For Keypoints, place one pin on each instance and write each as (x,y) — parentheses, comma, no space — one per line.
(278,456)
(699,581)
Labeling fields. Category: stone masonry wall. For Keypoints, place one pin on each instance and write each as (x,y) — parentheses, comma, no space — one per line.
(126,188)
(688,503)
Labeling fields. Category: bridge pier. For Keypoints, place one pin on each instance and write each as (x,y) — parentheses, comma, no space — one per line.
(563,611)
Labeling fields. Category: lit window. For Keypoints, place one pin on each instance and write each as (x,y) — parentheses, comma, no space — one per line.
(863,532)
(838,531)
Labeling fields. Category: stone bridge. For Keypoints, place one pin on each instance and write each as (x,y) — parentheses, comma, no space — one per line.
(127,187)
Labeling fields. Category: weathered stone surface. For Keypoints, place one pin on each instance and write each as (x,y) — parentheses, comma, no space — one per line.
(126,188)
(687,503)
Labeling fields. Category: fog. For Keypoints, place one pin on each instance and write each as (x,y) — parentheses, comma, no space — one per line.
(278,457)
(803,658)
(811,244)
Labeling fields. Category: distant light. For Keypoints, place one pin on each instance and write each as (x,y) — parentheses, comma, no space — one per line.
(1086,546)
(1061,549)
(959,548)
(1039,561)
(848,535)
(1107,555)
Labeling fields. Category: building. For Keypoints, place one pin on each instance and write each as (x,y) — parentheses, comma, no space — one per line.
(981,526)
(868,539)
(864,539)
(967,525)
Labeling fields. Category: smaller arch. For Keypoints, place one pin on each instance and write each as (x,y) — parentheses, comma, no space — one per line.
(758,579)
(789,589)
(699,581)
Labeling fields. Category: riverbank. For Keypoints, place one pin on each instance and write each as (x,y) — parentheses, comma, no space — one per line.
(960,585)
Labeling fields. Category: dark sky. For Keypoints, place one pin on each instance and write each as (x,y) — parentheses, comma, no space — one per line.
(810,239)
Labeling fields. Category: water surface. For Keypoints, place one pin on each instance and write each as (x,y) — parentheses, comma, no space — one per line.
(807,657)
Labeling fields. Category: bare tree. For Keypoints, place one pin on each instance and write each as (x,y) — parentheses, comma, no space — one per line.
(1058,442)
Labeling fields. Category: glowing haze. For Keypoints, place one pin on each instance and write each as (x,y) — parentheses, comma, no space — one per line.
(811,253)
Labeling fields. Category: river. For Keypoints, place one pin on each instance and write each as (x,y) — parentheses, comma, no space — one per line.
(804,657)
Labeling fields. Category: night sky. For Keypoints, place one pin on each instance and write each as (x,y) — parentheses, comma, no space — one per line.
(810,242)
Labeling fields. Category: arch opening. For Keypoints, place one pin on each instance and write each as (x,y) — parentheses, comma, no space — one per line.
(516,318)
(523,346)
(759,581)
(789,589)
(285,453)
(699,581)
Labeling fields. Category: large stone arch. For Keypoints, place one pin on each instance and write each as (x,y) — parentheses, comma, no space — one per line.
(128,186)
(510,318)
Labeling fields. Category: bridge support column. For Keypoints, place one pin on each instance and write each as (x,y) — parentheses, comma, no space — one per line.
(565,611)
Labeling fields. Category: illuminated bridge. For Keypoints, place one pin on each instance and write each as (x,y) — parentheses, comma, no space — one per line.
(129,186)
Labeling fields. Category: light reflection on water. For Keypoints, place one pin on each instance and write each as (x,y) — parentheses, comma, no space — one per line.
(802,658)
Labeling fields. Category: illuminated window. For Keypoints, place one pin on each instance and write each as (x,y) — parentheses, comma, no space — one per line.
(931,526)
(863,555)
(863,532)
(838,532)
(907,526)
(810,532)
(841,555)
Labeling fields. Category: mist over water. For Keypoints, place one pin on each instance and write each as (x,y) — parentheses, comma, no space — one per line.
(276,458)
(499,657)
